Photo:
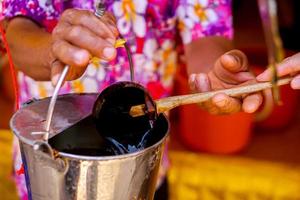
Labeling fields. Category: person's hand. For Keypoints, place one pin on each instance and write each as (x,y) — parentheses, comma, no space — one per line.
(230,70)
(289,66)
(78,36)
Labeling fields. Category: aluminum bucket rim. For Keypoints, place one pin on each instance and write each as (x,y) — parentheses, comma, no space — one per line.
(95,158)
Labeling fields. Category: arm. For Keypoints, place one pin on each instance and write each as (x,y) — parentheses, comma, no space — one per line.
(206,29)
(42,55)
(30,46)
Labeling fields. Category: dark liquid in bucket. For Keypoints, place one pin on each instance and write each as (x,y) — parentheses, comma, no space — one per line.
(83,139)
(128,134)
(113,131)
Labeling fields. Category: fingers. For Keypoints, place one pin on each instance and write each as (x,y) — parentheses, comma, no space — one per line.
(226,104)
(220,103)
(289,66)
(91,42)
(251,103)
(230,70)
(89,20)
(78,36)
(70,55)
(295,84)
(265,76)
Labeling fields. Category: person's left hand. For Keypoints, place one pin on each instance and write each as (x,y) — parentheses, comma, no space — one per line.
(289,66)
(230,70)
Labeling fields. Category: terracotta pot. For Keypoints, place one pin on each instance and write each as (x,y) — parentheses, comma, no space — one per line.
(201,131)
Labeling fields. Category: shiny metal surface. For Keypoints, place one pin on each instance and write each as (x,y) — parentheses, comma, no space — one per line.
(69,110)
(100,9)
(65,176)
(53,102)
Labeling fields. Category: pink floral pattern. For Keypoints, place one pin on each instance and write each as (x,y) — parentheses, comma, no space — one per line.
(150,27)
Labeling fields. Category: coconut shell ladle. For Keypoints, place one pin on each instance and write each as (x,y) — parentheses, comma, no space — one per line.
(166,104)
(125,106)
(112,107)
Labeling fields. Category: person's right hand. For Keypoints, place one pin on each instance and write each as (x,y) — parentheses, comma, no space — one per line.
(289,66)
(78,36)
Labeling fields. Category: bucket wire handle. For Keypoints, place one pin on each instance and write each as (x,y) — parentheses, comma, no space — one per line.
(53,102)
(43,146)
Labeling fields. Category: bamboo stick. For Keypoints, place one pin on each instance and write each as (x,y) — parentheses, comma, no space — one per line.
(169,103)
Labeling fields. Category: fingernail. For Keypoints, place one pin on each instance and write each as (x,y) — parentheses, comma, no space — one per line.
(109,52)
(192,81)
(263,76)
(280,69)
(54,79)
(192,77)
(202,82)
(251,107)
(230,58)
(219,101)
(295,84)
(80,58)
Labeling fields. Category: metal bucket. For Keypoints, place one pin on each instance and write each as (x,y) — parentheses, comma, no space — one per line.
(53,173)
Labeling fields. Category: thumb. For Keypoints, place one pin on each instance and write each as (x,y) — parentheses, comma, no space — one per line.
(234,61)
(56,70)
(232,68)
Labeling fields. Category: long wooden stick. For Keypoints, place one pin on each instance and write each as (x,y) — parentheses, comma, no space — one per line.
(169,103)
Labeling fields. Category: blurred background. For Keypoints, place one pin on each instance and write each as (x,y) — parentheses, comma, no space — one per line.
(216,157)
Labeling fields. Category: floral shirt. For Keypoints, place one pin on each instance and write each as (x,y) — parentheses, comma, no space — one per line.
(153,28)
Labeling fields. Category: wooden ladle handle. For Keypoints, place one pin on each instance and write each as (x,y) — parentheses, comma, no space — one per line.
(169,103)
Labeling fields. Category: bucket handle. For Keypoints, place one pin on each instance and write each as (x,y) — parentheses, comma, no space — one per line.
(53,102)
(44,152)
(45,155)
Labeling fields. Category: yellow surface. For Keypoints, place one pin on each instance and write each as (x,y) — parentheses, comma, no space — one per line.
(7,189)
(120,43)
(210,177)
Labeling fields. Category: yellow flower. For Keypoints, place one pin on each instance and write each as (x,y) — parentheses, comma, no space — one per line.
(130,16)
(120,43)
(200,12)
(42,91)
(77,86)
(128,9)
(95,61)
